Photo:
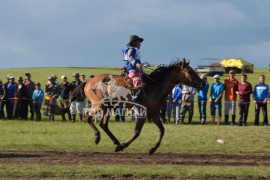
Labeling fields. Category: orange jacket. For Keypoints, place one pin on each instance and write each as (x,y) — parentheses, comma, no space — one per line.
(231,87)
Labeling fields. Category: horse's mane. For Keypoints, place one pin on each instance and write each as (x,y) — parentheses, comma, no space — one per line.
(159,74)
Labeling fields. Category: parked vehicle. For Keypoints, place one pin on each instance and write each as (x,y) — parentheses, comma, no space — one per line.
(210,70)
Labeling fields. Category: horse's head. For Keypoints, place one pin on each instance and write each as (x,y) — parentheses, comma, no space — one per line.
(189,76)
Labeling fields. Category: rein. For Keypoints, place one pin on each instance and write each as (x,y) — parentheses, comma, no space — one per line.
(153,79)
(150,77)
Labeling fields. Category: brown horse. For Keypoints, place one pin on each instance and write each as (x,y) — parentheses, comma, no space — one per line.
(102,89)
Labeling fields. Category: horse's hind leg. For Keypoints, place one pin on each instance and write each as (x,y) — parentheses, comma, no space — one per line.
(88,119)
(104,125)
(159,124)
(139,125)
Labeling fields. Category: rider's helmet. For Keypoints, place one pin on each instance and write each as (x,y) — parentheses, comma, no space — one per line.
(133,38)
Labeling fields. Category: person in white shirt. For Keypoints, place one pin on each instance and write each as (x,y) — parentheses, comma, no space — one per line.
(188,94)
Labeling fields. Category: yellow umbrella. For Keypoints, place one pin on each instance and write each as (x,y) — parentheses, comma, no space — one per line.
(238,63)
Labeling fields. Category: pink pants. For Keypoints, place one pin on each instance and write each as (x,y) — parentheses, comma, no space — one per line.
(136,78)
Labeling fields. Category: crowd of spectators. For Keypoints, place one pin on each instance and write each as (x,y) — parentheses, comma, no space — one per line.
(20,98)
(181,100)
(17,98)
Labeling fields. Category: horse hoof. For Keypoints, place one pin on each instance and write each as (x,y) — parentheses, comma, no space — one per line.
(119,148)
(152,150)
(97,139)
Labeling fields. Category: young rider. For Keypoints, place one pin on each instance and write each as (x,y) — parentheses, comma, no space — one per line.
(132,60)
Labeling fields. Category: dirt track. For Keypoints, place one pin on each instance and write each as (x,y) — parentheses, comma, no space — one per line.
(73,158)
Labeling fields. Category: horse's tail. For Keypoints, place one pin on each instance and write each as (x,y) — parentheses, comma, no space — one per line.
(78,93)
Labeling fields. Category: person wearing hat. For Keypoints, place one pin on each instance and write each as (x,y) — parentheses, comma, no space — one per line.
(52,91)
(65,89)
(202,99)
(9,96)
(55,79)
(2,95)
(20,105)
(30,87)
(38,96)
(77,105)
(132,60)
(231,86)
(216,93)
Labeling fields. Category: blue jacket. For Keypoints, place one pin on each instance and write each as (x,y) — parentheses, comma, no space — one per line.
(177,92)
(261,92)
(38,96)
(10,90)
(131,58)
(202,94)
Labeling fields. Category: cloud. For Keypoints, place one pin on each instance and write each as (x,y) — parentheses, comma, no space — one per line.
(57,33)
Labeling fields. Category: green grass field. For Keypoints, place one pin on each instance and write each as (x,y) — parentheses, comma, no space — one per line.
(22,137)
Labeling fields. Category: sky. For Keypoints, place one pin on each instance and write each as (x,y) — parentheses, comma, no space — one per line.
(90,33)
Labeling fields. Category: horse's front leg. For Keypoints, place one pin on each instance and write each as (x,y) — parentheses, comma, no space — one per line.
(139,125)
(157,121)
(104,125)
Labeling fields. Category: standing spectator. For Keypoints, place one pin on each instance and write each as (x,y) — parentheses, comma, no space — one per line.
(4,101)
(202,99)
(119,113)
(30,87)
(9,96)
(91,76)
(65,89)
(187,103)
(169,107)
(2,95)
(216,94)
(20,105)
(52,91)
(83,78)
(77,105)
(38,96)
(244,91)
(177,101)
(231,85)
(55,79)
(260,95)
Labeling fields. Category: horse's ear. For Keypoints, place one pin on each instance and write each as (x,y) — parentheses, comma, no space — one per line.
(183,63)
(188,62)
